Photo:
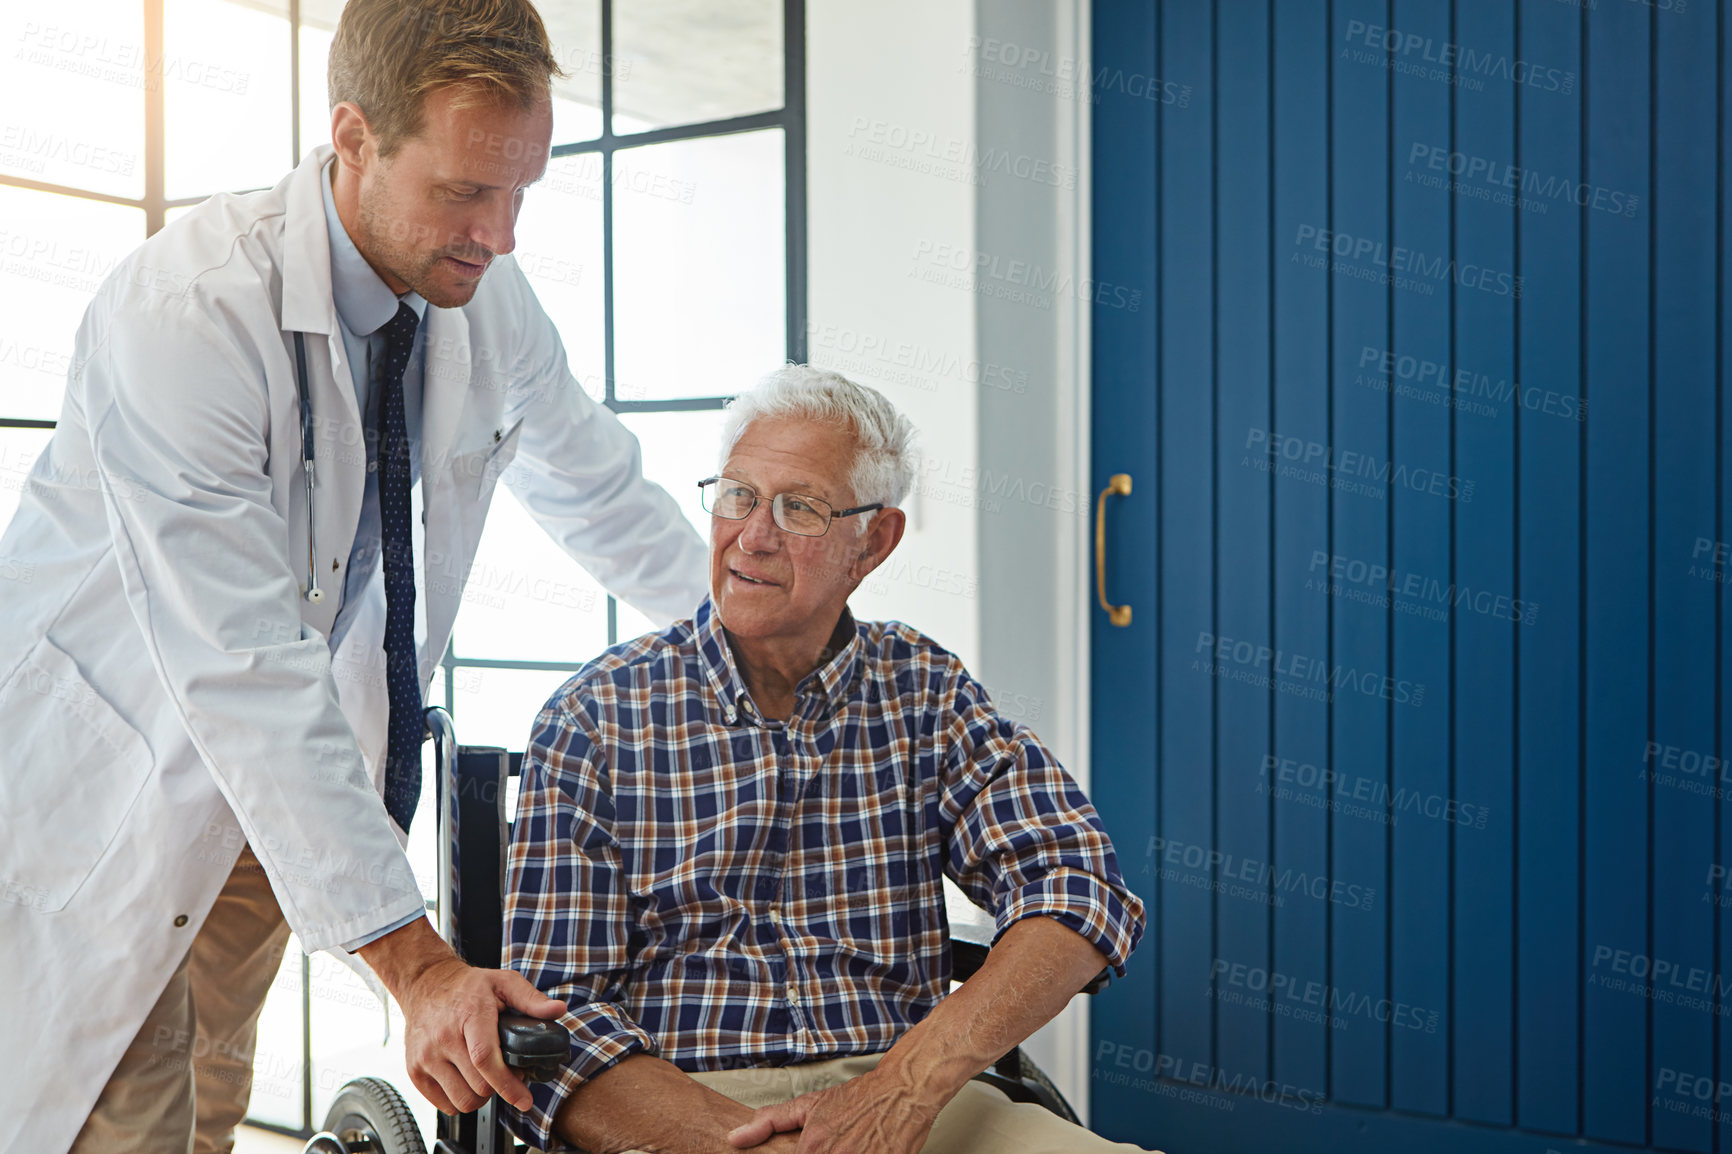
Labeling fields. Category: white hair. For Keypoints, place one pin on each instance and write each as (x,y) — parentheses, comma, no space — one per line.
(883,468)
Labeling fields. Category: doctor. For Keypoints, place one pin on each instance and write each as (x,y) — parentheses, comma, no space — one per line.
(217,666)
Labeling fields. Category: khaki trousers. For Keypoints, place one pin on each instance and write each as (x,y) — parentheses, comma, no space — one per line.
(979,1120)
(184,1081)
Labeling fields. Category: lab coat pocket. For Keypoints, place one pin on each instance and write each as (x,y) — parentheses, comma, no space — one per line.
(70,770)
(485,465)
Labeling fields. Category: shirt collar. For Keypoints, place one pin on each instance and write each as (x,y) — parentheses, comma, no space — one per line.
(365,303)
(831,681)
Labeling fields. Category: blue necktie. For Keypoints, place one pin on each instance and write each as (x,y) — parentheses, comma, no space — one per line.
(397,542)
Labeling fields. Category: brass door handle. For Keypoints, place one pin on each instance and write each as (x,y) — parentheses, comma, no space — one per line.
(1119,485)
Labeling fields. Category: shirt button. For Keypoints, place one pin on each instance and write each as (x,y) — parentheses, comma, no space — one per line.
(793,996)
(775,916)
(181,921)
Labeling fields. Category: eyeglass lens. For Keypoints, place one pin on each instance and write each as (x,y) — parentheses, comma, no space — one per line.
(734,500)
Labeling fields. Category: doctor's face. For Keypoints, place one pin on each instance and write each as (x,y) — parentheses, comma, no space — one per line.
(435,213)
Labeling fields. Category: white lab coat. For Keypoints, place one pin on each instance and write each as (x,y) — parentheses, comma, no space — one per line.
(165,689)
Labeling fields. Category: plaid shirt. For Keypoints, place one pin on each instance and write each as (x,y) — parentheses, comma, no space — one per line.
(723,890)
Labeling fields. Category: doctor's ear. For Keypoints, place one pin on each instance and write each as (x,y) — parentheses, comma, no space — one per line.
(351,136)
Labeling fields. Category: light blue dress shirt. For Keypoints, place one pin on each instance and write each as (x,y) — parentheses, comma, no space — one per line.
(365,304)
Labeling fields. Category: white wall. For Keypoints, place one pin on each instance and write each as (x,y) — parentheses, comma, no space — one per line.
(886,101)
(948,192)
(1034,537)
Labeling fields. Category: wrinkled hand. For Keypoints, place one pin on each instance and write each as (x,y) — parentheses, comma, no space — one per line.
(451,1039)
(865,1115)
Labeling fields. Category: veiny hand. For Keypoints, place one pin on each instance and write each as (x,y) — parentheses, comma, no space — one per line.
(865,1115)
(452,1035)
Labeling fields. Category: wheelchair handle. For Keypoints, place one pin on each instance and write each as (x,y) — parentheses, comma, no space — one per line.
(444,733)
(533,1046)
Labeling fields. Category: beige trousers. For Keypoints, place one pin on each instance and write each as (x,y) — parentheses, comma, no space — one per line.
(184,1081)
(979,1120)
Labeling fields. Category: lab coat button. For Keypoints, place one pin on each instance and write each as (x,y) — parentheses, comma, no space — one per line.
(179,921)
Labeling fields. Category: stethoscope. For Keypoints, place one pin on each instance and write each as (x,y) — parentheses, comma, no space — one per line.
(314,594)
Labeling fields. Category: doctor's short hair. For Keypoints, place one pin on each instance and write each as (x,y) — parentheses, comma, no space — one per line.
(884,461)
(389,54)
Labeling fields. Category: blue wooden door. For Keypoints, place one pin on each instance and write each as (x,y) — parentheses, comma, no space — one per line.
(1413,743)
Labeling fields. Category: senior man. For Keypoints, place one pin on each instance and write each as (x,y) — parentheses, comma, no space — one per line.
(732,836)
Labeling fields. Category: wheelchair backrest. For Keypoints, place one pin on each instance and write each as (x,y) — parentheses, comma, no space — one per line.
(478,843)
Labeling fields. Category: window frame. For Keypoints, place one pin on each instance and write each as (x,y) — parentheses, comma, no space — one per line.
(791,118)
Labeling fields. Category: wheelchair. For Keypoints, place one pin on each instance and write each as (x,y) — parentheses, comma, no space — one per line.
(369,1114)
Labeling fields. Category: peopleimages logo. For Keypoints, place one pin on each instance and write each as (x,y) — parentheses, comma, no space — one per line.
(1349,786)
(1286,990)
(1296,673)
(1464,389)
(1416,593)
(1198,1082)
(1500,174)
(1363,467)
(1214,865)
(1367,258)
(1409,51)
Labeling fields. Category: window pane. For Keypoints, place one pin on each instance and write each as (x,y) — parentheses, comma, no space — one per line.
(315,110)
(277,1064)
(225,93)
(526,599)
(347,1023)
(559,250)
(19,449)
(499,706)
(348,1038)
(679,450)
(689,61)
(700,280)
(54,252)
(574,27)
(72,91)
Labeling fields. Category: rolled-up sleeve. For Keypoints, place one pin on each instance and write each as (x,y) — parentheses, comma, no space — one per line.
(1023,840)
(568,922)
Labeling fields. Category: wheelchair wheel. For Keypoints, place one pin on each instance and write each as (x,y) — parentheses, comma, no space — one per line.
(368,1115)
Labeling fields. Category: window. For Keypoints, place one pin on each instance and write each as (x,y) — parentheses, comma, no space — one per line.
(667,242)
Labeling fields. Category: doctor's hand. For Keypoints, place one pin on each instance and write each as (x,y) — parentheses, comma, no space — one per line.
(870,1114)
(451,1010)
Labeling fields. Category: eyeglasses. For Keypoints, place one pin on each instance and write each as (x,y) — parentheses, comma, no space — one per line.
(795,512)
